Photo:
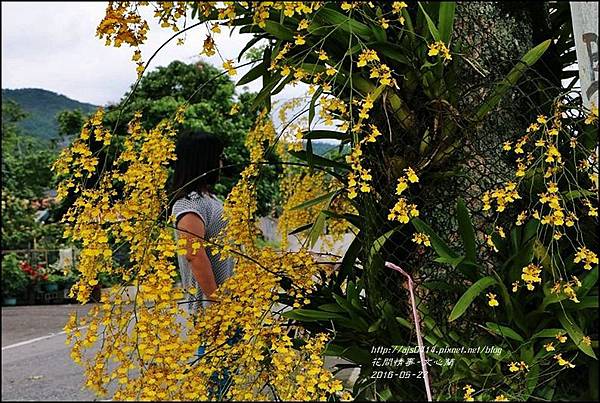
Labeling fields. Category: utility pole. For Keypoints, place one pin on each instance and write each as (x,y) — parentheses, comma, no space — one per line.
(585,34)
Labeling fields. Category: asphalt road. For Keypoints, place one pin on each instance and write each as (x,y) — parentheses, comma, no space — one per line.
(36,364)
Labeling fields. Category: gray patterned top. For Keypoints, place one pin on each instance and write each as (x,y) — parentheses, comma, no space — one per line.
(210,210)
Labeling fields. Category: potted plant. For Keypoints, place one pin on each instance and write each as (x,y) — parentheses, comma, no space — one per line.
(14,280)
(36,277)
(53,282)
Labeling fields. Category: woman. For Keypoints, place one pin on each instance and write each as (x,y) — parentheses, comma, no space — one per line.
(199,216)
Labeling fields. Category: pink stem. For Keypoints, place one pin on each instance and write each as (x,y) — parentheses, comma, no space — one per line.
(417,327)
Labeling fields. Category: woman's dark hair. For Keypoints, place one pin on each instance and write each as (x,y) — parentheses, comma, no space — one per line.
(197,165)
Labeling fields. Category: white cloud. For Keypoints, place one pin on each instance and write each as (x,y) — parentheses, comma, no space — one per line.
(53,46)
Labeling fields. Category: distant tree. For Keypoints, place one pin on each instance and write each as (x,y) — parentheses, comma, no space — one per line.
(11,114)
(25,159)
(214,107)
(26,175)
(70,122)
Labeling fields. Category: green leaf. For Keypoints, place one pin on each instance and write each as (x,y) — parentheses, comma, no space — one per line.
(375,326)
(311,315)
(349,259)
(541,253)
(250,43)
(351,218)
(469,296)
(385,394)
(404,322)
(311,110)
(348,307)
(265,94)
(316,200)
(282,84)
(409,28)
(533,374)
(318,160)
(465,227)
(437,243)
(446,20)
(547,333)
(510,310)
(452,261)
(552,299)
(503,331)
(375,95)
(250,29)
(300,229)
(253,74)
(590,302)
(334,350)
(575,333)
(379,242)
(312,68)
(430,24)
(576,194)
(511,79)
(331,308)
(317,229)
(333,17)
(354,49)
(392,51)
(427,65)
(309,155)
(588,282)
(357,355)
(278,30)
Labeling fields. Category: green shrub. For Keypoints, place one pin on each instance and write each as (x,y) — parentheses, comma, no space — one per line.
(14,280)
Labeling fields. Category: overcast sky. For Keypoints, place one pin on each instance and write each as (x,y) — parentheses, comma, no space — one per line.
(52,45)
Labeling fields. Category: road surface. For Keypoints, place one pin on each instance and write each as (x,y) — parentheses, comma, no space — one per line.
(36,364)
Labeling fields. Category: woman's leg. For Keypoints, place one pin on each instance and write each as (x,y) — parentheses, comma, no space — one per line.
(225,374)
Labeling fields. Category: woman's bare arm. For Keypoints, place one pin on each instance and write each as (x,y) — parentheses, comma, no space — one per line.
(191,227)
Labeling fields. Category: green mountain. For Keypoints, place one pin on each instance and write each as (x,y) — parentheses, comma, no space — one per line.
(323,147)
(41,107)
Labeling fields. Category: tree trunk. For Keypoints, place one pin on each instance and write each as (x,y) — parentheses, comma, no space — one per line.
(493,39)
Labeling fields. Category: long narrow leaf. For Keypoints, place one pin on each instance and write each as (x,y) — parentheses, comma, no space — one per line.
(430,24)
(310,314)
(437,243)
(446,20)
(349,259)
(467,233)
(253,74)
(250,43)
(319,161)
(469,296)
(503,331)
(511,79)
(279,31)
(575,333)
(315,201)
(379,242)
(345,23)
(317,229)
